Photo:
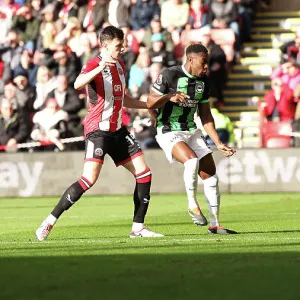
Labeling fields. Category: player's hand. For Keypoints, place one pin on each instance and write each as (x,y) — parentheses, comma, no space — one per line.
(179,97)
(106,60)
(227,151)
(153,116)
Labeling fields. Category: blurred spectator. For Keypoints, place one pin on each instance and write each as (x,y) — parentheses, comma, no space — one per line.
(36,8)
(118,12)
(93,14)
(217,72)
(27,26)
(50,124)
(297,99)
(67,9)
(155,70)
(10,52)
(155,27)
(143,129)
(45,84)
(6,14)
(139,71)
(246,9)
(88,52)
(12,5)
(25,94)
(291,50)
(14,127)
(26,67)
(279,102)
(9,91)
(67,100)
(223,126)
(142,12)
(72,36)
(198,16)
(174,14)
(289,73)
(129,58)
(129,39)
(158,52)
(48,28)
(64,61)
(224,14)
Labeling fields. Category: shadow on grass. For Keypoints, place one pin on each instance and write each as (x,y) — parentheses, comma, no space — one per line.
(152,277)
(270,231)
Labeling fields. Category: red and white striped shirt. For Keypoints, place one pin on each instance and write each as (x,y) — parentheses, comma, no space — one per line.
(105,94)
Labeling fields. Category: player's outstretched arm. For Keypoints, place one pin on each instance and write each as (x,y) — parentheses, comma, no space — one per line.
(156,100)
(131,102)
(207,120)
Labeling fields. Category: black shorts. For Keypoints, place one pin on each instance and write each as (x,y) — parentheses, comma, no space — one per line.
(121,146)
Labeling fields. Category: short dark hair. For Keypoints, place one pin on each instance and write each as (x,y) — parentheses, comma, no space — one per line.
(196,48)
(109,33)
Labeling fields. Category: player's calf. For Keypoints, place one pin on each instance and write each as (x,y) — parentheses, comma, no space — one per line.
(69,198)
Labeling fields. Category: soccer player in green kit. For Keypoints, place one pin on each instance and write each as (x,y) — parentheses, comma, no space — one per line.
(178,93)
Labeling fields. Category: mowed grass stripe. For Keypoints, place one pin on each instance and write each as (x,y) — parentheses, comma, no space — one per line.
(90,256)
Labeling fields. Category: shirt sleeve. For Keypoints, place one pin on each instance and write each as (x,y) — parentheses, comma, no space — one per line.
(90,65)
(161,85)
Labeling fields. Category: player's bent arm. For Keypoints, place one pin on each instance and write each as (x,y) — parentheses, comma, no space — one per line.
(155,100)
(86,78)
(208,122)
(131,102)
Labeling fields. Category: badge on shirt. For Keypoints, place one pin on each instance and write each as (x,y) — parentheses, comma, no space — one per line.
(159,80)
(199,87)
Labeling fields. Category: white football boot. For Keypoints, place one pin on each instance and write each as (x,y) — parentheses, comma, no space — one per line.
(145,232)
(43,231)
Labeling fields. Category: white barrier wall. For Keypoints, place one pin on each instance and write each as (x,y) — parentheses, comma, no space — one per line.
(49,174)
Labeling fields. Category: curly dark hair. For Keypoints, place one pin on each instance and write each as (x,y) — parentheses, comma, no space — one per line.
(109,33)
(195,48)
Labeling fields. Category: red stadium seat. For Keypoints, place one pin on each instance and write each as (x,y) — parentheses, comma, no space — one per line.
(278,142)
(271,134)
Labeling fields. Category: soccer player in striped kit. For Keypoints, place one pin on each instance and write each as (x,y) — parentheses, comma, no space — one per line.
(178,93)
(104,80)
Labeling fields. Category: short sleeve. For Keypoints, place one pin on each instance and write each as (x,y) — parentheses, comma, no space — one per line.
(161,85)
(90,65)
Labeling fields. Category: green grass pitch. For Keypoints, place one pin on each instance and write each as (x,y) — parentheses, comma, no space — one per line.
(89,255)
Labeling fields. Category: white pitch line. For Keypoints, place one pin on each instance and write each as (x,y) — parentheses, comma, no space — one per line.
(149,240)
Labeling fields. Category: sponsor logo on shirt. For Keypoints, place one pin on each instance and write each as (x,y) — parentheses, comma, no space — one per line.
(117,88)
(189,103)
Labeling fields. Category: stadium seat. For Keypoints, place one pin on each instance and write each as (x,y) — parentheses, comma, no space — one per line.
(270,132)
(278,142)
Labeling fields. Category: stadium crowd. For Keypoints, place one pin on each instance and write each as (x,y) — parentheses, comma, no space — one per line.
(44,45)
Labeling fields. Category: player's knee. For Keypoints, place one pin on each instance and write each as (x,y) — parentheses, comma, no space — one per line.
(144,177)
(192,163)
(212,181)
